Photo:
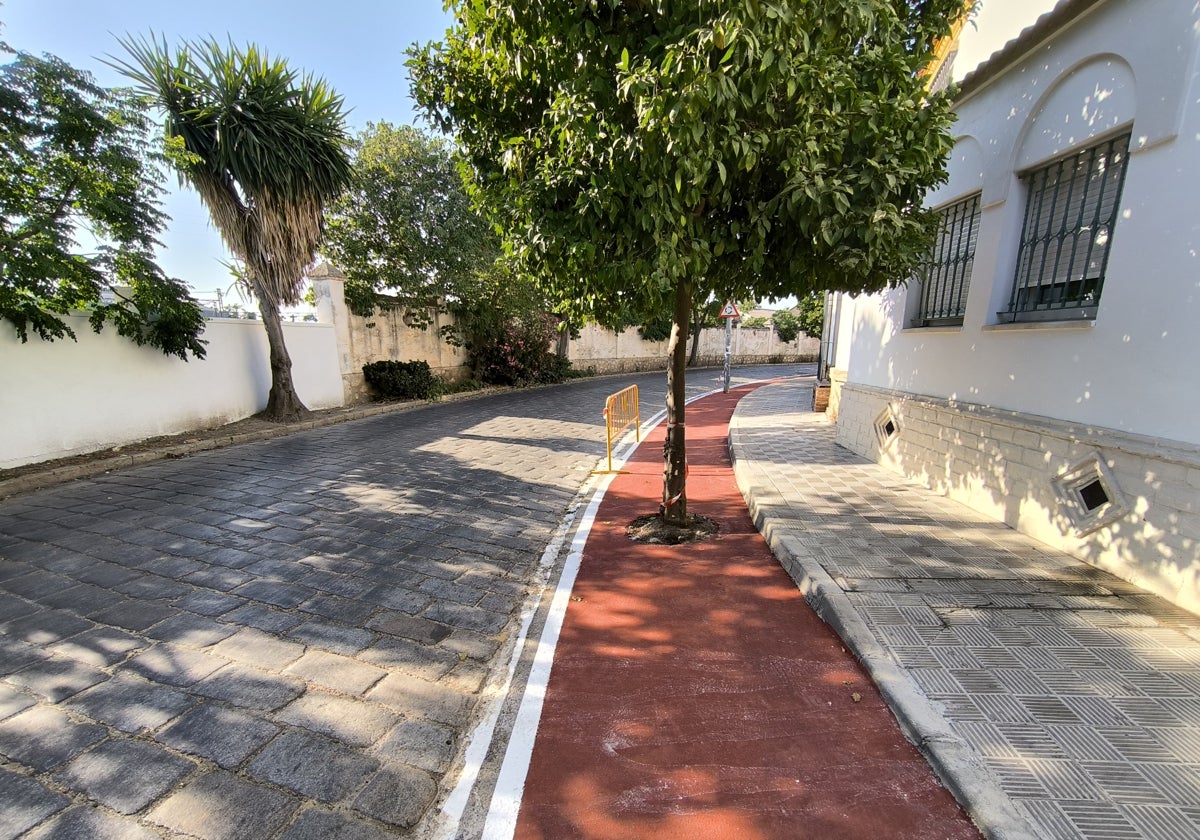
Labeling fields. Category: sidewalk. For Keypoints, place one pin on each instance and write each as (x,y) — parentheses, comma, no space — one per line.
(695,695)
(1056,700)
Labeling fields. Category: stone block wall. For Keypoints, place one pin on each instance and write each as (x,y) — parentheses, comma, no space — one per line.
(1015,466)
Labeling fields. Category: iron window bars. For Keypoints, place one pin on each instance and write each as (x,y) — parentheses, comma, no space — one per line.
(1069,219)
(946,276)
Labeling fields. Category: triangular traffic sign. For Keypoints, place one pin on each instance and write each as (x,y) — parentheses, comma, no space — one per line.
(730,311)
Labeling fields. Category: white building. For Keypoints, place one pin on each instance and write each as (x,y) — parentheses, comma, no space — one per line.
(1046,368)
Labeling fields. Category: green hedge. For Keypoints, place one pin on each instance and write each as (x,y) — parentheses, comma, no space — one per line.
(403,380)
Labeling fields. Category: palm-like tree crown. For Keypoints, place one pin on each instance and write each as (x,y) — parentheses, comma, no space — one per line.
(264,146)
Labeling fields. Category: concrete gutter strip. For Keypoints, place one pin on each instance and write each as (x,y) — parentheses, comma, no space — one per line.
(960,768)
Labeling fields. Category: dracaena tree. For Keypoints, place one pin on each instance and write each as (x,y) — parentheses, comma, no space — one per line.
(645,154)
(265,147)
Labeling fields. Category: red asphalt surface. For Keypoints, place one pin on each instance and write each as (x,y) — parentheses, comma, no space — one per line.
(694,694)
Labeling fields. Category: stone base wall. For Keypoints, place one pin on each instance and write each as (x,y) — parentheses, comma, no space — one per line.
(1020,469)
(837,380)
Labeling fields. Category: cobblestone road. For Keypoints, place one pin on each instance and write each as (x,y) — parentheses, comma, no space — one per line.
(280,639)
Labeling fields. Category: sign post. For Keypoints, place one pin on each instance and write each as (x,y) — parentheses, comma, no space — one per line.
(728,314)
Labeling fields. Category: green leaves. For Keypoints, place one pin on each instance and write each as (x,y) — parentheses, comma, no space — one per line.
(755,149)
(76,157)
(404,232)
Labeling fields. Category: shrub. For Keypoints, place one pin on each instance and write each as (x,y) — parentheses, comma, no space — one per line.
(787,325)
(521,354)
(657,330)
(403,380)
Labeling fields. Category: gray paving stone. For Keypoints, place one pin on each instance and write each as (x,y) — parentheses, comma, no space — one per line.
(25,803)
(45,627)
(466,618)
(249,687)
(221,806)
(412,695)
(254,647)
(174,665)
(99,647)
(42,737)
(332,637)
(339,673)
(429,663)
(152,587)
(345,719)
(312,766)
(12,701)
(39,584)
(218,577)
(264,618)
(398,598)
(424,745)
(82,599)
(397,795)
(131,704)
(225,736)
(339,608)
(207,602)
(190,630)
(12,607)
(472,645)
(410,627)
(315,824)
(276,593)
(134,615)
(124,775)
(56,678)
(87,823)
(16,655)
(467,677)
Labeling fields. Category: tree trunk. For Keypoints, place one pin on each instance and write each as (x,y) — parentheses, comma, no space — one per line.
(674,509)
(283,403)
(562,347)
(697,325)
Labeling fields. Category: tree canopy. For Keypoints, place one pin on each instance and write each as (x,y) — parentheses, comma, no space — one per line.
(755,149)
(404,233)
(643,154)
(80,214)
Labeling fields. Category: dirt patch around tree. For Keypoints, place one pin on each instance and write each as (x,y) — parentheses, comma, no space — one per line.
(652,529)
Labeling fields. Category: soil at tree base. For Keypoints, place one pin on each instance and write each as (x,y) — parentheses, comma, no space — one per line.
(694,694)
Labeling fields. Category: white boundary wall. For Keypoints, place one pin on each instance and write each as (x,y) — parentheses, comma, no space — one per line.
(64,398)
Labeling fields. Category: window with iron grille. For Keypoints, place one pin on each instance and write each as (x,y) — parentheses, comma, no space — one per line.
(946,275)
(1070,214)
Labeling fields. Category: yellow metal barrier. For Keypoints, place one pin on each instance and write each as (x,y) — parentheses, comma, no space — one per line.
(620,411)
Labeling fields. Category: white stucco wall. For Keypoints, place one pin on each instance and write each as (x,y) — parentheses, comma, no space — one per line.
(1126,64)
(64,398)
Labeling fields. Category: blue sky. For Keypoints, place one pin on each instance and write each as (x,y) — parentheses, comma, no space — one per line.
(356,45)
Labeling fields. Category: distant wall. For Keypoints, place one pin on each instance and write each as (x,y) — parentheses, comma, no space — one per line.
(606,351)
(65,398)
(382,337)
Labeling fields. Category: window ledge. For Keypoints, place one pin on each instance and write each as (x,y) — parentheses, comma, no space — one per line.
(949,328)
(1020,326)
